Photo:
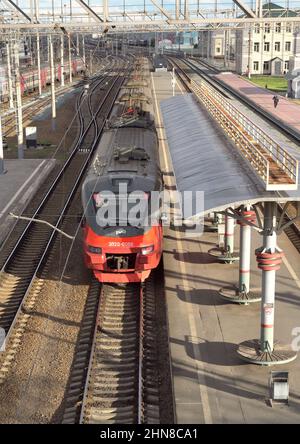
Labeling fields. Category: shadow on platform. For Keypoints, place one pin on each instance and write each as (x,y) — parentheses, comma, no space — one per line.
(201,296)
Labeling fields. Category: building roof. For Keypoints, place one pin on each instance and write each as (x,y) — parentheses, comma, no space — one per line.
(205,160)
(271,9)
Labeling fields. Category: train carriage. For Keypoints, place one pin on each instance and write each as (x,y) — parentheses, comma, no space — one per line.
(123,251)
(29,77)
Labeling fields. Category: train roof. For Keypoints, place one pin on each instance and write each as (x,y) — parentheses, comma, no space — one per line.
(125,154)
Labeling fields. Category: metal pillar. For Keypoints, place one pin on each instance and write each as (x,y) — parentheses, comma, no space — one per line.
(70,58)
(249,53)
(1,150)
(177,9)
(19,103)
(266,351)
(83,51)
(91,62)
(38,63)
(229,234)
(53,104)
(227,253)
(77,44)
(245,255)
(9,77)
(268,277)
(241,294)
(62,68)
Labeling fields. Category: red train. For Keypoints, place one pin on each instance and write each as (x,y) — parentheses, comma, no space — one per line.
(29,77)
(118,246)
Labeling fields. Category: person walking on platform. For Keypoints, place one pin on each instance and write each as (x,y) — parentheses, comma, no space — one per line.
(276,101)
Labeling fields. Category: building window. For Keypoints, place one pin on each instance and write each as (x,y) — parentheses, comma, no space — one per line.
(287,65)
(278,27)
(256,28)
(256,47)
(288,27)
(277,46)
(287,46)
(255,66)
(266,66)
(267,28)
(218,49)
(267,46)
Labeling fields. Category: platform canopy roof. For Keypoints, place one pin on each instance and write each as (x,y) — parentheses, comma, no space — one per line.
(204,159)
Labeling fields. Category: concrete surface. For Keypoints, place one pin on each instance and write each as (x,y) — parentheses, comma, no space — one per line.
(17,186)
(211,384)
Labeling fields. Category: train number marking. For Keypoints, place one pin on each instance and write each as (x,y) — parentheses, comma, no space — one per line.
(120,244)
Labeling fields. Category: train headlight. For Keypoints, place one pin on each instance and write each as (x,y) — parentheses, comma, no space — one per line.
(95,250)
(147,250)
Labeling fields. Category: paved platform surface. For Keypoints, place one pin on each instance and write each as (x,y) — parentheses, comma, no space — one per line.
(211,384)
(286,112)
(269,128)
(18,185)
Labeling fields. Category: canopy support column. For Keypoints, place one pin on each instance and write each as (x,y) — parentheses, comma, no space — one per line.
(226,254)
(266,351)
(241,294)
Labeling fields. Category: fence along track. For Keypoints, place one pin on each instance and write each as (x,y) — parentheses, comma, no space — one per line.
(292,231)
(272,164)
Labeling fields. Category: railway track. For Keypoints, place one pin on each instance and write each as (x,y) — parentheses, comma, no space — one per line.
(226,89)
(20,225)
(26,259)
(293,230)
(29,111)
(33,108)
(121,383)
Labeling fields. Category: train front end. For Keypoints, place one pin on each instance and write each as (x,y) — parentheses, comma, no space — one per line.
(122,228)
(120,258)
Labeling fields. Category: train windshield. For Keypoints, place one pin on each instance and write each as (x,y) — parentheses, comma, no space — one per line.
(120,215)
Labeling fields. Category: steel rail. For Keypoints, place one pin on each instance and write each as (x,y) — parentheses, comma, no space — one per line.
(53,185)
(3,246)
(287,129)
(117,385)
(110,96)
(43,103)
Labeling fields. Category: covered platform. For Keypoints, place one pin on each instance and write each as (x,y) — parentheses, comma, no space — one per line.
(213,164)
(211,383)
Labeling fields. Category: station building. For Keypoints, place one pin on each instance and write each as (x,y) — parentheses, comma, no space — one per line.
(264,48)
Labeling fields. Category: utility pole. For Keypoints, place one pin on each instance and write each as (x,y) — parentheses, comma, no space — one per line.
(62,69)
(208,46)
(70,58)
(249,53)
(173,81)
(77,44)
(19,103)
(1,150)
(38,62)
(10,88)
(53,104)
(91,62)
(83,51)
